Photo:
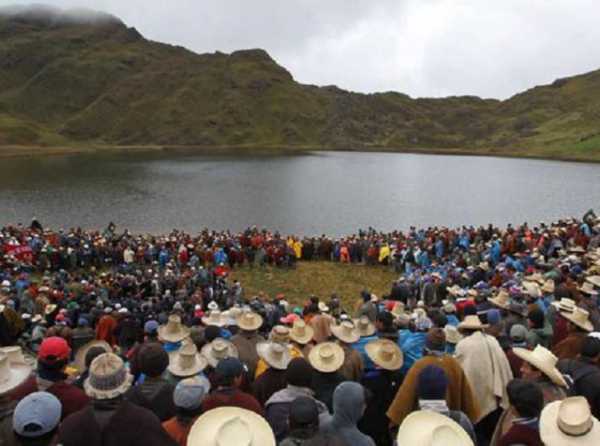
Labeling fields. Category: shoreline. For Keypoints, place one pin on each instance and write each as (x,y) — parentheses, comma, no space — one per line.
(265,150)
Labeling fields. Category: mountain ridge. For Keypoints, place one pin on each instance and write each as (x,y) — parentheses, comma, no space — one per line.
(77,78)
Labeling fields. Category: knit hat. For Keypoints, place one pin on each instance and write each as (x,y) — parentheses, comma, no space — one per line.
(108,378)
(36,415)
(299,373)
(190,393)
(432,383)
(435,340)
(303,411)
(153,359)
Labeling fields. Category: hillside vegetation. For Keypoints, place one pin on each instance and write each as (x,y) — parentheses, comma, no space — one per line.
(72,80)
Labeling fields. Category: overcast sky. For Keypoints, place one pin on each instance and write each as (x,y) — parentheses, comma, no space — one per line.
(489,48)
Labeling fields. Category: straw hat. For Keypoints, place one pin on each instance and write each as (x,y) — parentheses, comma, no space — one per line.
(453,336)
(535,277)
(187,361)
(385,353)
(428,428)
(398,309)
(15,354)
(108,378)
(326,357)
(280,333)
(249,321)
(49,309)
(323,308)
(548,286)
(12,374)
(174,330)
(501,300)
(588,288)
(301,333)
(364,326)
(564,304)
(275,354)
(219,349)
(215,317)
(471,322)
(544,360)
(594,280)
(569,423)
(346,332)
(579,317)
(79,362)
(532,289)
(231,426)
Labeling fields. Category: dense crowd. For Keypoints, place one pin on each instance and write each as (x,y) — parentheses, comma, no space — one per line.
(489,336)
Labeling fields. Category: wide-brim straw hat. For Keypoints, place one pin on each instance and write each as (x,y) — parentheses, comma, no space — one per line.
(364,326)
(535,277)
(385,353)
(301,333)
(323,308)
(225,426)
(219,349)
(569,423)
(428,428)
(276,355)
(79,361)
(346,332)
(49,309)
(453,336)
(548,286)
(579,317)
(173,330)
(249,321)
(472,322)
(215,317)
(12,374)
(500,300)
(565,304)
(327,357)
(108,378)
(532,289)
(187,361)
(588,288)
(544,360)
(594,280)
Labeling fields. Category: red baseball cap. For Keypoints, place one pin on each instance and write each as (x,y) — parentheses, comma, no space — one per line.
(54,349)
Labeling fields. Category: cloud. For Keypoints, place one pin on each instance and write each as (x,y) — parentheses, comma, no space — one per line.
(487,48)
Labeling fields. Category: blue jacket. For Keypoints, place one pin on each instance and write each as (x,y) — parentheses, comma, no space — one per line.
(359,346)
(412,344)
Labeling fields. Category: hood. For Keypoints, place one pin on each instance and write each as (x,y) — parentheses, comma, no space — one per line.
(348,404)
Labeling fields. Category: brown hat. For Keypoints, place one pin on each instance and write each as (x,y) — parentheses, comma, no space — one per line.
(501,300)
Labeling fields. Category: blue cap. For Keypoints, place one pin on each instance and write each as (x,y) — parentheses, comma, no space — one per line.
(37,414)
(189,393)
(493,316)
(83,322)
(151,327)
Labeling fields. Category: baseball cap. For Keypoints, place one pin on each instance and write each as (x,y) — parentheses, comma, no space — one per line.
(229,368)
(151,327)
(303,411)
(37,414)
(189,393)
(54,349)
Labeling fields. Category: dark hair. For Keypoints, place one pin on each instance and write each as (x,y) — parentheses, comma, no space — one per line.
(590,348)
(299,373)
(92,353)
(386,319)
(536,316)
(526,397)
(438,318)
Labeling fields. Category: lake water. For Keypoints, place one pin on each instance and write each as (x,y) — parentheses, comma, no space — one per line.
(333,193)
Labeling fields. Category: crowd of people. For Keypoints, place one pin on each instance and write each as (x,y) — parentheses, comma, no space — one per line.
(489,336)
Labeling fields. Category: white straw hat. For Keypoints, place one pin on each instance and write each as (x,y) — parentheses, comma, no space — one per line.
(569,423)
(249,321)
(187,361)
(346,332)
(544,360)
(364,326)
(301,333)
(327,357)
(108,378)
(231,426)
(215,317)
(219,349)
(12,374)
(385,353)
(174,330)
(579,317)
(276,355)
(428,428)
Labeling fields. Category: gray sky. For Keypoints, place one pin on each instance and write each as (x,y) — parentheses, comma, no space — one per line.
(489,48)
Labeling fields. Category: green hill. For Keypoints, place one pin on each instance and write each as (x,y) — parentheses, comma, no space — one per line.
(75,79)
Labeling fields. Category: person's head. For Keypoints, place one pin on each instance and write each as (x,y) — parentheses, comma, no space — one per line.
(36,417)
(153,360)
(590,349)
(518,335)
(525,397)
(229,372)
(432,383)
(92,354)
(535,318)
(151,330)
(349,401)
(211,333)
(530,372)
(54,354)
(189,395)
(299,373)
(435,341)
(384,322)
(304,414)
(438,318)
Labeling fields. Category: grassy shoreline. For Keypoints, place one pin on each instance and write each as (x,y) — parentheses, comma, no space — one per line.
(266,150)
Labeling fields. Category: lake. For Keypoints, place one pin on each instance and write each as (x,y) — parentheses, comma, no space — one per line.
(326,192)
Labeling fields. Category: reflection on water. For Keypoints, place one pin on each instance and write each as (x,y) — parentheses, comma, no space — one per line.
(333,193)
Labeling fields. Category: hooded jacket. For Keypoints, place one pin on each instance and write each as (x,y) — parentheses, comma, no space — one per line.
(348,408)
